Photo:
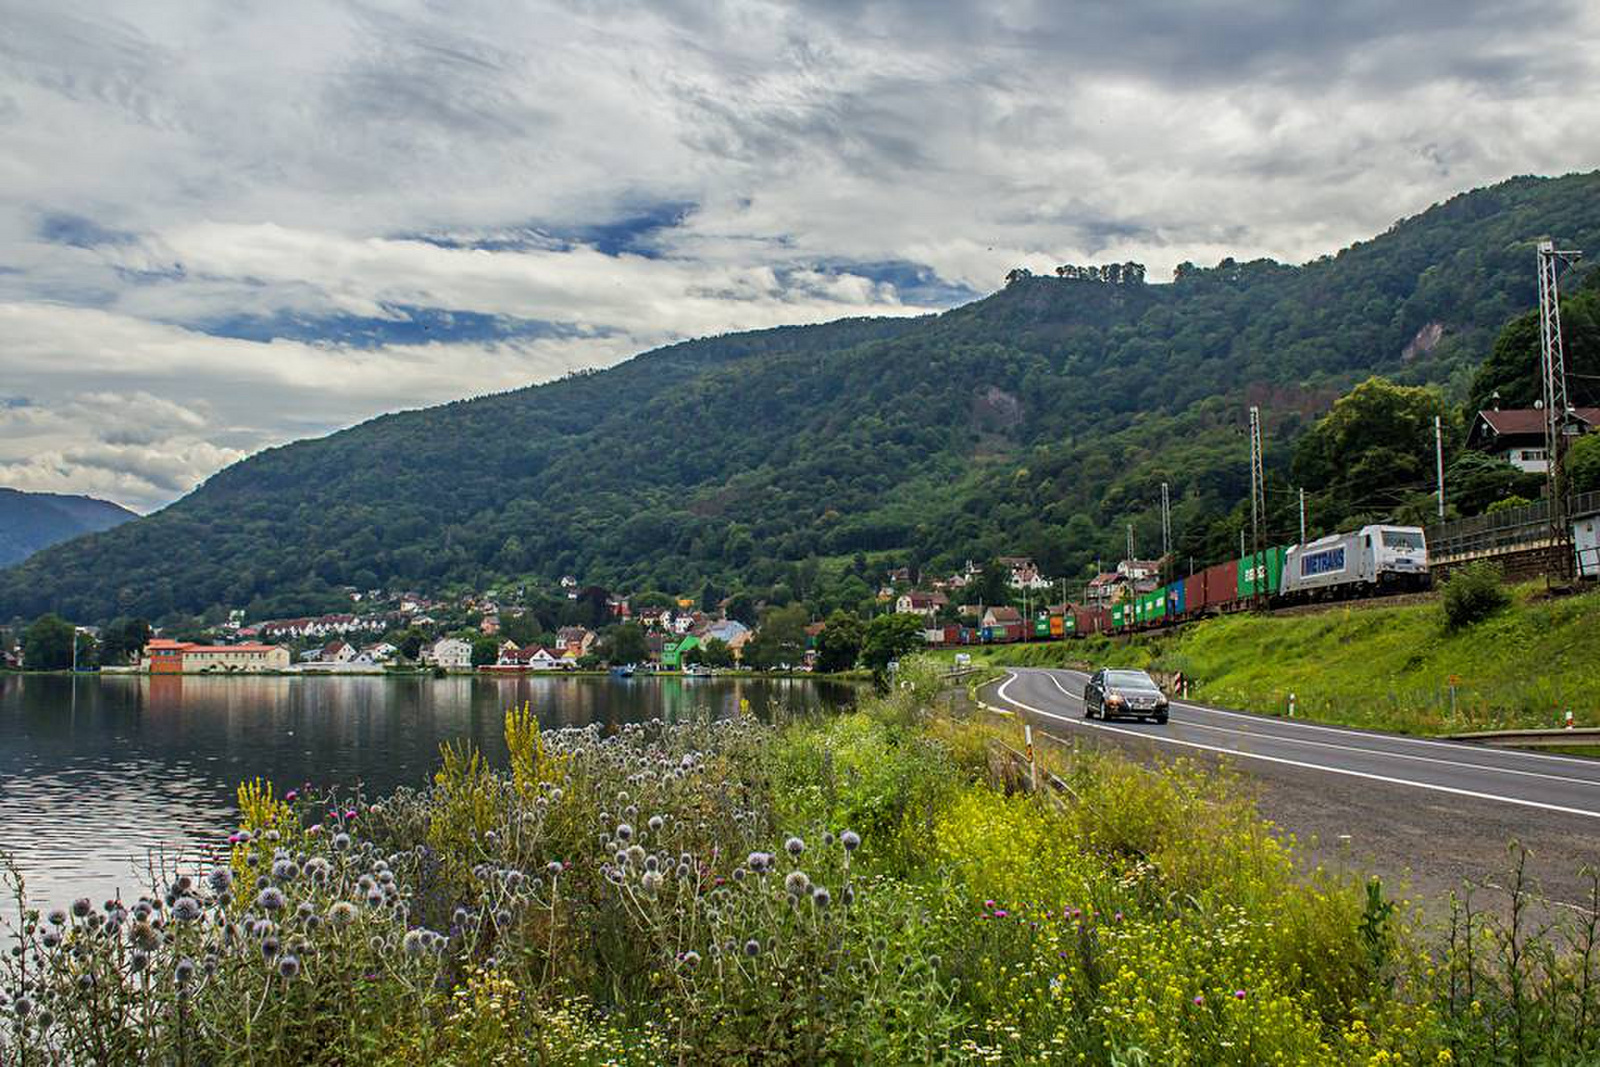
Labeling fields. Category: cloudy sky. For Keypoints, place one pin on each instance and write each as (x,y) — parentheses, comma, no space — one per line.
(225,225)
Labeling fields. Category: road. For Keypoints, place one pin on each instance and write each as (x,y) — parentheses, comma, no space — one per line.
(1436,812)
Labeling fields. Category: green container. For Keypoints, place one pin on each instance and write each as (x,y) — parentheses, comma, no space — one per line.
(1041,625)
(1263,573)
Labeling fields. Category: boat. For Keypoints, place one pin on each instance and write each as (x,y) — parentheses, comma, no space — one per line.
(625,671)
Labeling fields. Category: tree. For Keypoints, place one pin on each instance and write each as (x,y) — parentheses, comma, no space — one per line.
(1477,480)
(485,650)
(626,644)
(839,643)
(1512,369)
(890,637)
(742,607)
(410,643)
(714,653)
(123,641)
(781,640)
(47,644)
(1583,463)
(1371,451)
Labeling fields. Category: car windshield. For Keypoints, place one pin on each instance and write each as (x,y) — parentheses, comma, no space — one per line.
(1402,539)
(1131,680)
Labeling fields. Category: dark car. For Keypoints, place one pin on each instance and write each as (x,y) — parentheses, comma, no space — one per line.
(1113,694)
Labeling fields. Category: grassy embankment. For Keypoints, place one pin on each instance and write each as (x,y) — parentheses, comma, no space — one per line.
(1383,667)
(863,888)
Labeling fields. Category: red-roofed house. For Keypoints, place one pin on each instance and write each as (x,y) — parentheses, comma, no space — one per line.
(162,656)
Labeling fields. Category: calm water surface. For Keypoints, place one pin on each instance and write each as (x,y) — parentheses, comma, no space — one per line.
(97,772)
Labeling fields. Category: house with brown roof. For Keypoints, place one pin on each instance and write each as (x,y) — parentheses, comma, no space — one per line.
(1517,435)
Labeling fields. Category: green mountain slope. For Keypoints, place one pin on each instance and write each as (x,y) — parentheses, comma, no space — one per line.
(32,521)
(1038,420)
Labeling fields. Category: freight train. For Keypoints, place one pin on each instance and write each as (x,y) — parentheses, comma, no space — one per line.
(1374,560)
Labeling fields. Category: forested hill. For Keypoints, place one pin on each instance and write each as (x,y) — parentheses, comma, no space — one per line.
(1039,420)
(31,521)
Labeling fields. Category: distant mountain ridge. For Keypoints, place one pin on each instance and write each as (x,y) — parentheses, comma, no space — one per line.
(1040,420)
(33,521)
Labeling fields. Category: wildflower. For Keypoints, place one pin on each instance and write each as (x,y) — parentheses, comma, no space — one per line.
(797,883)
(821,898)
(58,917)
(794,846)
(81,907)
(850,840)
(651,882)
(503,919)
(86,982)
(554,868)
(343,913)
(289,966)
(682,871)
(624,832)
(271,899)
(291,796)
(1238,994)
(738,874)
(220,880)
(651,863)
(341,841)
(183,972)
(656,823)
(186,909)
(138,961)
(415,943)
(269,947)
(145,937)
(1199,999)
(23,1005)
(752,947)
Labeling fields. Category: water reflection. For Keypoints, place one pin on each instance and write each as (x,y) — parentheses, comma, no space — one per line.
(96,772)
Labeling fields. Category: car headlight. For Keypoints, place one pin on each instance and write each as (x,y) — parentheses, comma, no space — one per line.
(1113,699)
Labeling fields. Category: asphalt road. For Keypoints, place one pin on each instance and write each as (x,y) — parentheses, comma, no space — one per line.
(1433,813)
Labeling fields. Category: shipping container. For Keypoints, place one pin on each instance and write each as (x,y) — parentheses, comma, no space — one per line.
(1119,616)
(1220,586)
(1060,625)
(1041,624)
(1176,597)
(1259,573)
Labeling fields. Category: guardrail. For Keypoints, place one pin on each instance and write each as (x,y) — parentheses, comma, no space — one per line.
(1559,738)
(1513,528)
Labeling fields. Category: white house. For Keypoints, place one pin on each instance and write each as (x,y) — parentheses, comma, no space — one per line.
(451,653)
(924,604)
(1023,573)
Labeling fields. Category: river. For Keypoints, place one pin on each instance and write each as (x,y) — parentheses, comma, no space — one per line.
(95,773)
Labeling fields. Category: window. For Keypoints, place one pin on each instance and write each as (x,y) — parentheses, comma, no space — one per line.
(1534,453)
(1402,539)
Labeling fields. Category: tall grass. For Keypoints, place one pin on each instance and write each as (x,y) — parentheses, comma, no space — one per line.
(866,888)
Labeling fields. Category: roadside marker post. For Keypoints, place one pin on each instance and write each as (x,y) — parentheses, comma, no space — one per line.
(1569,719)
(1033,768)
(1291,705)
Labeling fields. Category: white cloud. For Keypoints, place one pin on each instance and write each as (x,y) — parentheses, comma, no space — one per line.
(174,167)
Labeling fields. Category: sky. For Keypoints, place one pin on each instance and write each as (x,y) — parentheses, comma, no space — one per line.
(226,226)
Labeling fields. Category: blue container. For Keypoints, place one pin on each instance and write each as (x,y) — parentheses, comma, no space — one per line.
(1177,597)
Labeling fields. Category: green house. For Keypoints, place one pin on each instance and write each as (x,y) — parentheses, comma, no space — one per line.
(672,652)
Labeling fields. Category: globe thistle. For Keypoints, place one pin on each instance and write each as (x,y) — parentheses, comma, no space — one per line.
(553,868)
(757,861)
(138,961)
(621,857)
(289,967)
(794,846)
(656,823)
(374,898)
(341,841)
(272,836)
(86,982)
(415,943)
(821,898)
(752,947)
(145,937)
(318,869)
(220,879)
(739,874)
(624,832)
(503,918)
(848,895)
(269,948)
(651,881)
(850,840)
(57,917)
(636,853)
(797,883)
(681,872)
(651,863)
(81,907)
(270,899)
(342,913)
(513,880)
(186,909)
(23,1006)
(184,971)
(50,939)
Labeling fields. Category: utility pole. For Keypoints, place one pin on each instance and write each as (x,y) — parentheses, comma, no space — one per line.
(1258,507)
(1553,365)
(1302,514)
(1130,542)
(1438,459)
(1166,521)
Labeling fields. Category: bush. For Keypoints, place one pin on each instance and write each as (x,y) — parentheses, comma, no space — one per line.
(1473,594)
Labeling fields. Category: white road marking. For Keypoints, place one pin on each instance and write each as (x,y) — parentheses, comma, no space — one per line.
(1361,733)
(1289,740)
(1169,740)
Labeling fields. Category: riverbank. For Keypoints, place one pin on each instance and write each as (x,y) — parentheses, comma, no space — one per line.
(868,887)
(1396,668)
